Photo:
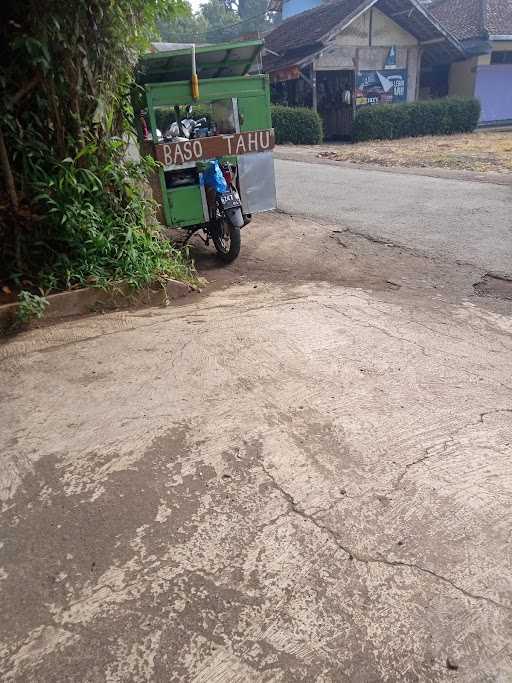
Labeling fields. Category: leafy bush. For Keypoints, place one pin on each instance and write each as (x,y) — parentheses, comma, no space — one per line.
(30,307)
(73,209)
(99,228)
(413,119)
(296,125)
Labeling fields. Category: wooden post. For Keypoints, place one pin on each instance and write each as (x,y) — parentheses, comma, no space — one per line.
(313,82)
(419,57)
(7,173)
(356,73)
(407,76)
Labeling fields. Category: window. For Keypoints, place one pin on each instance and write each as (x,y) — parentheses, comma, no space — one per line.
(501,57)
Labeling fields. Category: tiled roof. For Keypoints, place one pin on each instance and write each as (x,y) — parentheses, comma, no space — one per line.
(308,28)
(474,18)
(302,36)
(463,18)
(498,17)
(275,62)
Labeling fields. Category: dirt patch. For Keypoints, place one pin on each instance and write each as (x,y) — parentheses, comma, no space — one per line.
(483,151)
(282,249)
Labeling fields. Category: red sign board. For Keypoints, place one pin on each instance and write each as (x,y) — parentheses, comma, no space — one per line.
(290,73)
(177,153)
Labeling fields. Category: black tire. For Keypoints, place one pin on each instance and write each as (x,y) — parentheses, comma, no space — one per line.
(227,249)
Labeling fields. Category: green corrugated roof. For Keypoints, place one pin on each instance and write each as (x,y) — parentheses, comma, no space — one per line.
(212,61)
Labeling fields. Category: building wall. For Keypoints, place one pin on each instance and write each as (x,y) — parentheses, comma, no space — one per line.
(384,32)
(463,74)
(351,48)
(461,80)
(492,87)
(489,82)
(499,45)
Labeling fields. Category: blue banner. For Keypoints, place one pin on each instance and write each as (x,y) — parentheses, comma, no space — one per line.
(378,87)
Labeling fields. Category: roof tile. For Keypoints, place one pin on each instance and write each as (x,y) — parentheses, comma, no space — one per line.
(498,17)
(308,28)
(474,18)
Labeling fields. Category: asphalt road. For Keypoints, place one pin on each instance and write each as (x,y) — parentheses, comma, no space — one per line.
(455,219)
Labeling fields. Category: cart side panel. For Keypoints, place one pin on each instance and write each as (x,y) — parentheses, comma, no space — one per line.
(183,207)
(257,182)
(254,108)
(256,171)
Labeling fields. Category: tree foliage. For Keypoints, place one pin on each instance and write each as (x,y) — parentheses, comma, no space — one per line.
(217,21)
(184,28)
(72,207)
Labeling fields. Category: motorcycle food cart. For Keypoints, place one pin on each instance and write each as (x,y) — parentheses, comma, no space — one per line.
(210,126)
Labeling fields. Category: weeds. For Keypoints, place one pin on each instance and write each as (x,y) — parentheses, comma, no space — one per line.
(30,307)
(100,225)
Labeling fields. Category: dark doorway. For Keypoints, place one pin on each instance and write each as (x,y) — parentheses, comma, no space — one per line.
(336,103)
(434,81)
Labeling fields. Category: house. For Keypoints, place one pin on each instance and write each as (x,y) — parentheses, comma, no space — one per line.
(484,28)
(338,56)
(351,53)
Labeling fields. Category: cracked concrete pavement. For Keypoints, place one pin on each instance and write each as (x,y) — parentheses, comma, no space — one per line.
(302,474)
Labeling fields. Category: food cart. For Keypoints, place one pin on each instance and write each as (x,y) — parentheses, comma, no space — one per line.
(206,112)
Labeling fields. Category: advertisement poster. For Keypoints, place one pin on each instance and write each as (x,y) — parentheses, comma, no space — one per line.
(379,87)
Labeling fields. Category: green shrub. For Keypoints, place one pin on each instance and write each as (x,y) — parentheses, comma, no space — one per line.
(30,307)
(412,119)
(73,208)
(99,228)
(296,125)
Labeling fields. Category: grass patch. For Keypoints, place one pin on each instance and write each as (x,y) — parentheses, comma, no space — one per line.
(483,151)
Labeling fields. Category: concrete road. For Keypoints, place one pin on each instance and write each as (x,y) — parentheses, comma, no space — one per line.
(303,474)
(454,219)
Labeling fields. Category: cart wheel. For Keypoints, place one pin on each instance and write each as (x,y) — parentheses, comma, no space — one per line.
(226,239)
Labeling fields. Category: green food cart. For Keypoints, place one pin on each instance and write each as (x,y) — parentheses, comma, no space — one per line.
(230,123)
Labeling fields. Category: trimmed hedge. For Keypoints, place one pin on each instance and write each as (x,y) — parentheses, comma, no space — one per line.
(412,119)
(296,125)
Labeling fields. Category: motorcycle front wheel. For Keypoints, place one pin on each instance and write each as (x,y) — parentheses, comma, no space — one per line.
(226,238)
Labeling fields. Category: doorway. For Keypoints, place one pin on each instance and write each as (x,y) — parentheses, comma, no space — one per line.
(336,102)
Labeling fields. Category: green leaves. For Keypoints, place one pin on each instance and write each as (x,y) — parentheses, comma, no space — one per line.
(66,72)
(216,21)
(97,224)
(30,307)
(33,49)
(298,125)
(412,119)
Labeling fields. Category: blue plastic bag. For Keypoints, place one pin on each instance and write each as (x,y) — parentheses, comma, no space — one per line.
(212,177)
